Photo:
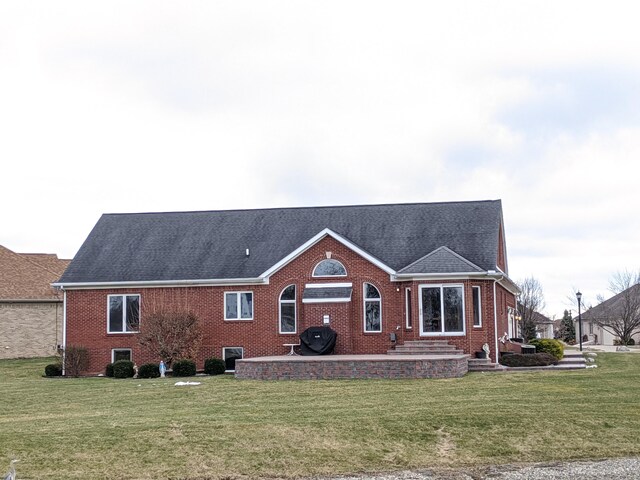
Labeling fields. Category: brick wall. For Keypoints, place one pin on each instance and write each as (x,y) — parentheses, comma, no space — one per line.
(87,312)
(30,329)
(327,368)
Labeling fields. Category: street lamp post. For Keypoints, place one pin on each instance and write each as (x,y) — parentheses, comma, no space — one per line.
(579,297)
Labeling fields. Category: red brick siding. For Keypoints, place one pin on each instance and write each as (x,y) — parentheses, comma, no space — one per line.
(87,312)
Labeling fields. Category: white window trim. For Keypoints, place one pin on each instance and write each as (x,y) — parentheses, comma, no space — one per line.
(441,333)
(364,307)
(407,309)
(239,304)
(295,310)
(479,290)
(124,314)
(313,274)
(113,353)
(224,356)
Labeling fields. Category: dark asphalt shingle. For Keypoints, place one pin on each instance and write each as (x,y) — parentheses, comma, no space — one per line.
(212,244)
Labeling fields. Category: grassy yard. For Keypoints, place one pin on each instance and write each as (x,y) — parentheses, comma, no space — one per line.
(98,428)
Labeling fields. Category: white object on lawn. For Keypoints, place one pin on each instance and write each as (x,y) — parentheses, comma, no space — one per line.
(180,384)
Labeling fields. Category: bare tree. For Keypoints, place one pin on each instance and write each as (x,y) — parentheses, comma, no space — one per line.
(169,329)
(620,315)
(530,302)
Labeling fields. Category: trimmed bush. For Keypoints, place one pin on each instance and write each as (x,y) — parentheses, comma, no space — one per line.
(123,369)
(53,370)
(214,366)
(547,345)
(184,368)
(108,370)
(149,370)
(530,360)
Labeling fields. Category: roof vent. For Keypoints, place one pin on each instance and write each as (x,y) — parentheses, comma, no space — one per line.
(247,252)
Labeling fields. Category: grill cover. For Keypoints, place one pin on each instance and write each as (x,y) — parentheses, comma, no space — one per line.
(317,341)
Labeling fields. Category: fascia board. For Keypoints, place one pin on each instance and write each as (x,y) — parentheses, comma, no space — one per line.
(315,239)
(162,283)
(401,277)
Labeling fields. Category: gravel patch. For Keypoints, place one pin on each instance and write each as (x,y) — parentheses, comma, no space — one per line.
(619,469)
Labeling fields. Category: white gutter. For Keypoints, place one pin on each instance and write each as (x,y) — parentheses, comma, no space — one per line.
(402,277)
(163,283)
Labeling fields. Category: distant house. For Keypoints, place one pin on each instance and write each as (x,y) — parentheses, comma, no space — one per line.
(544,325)
(379,275)
(592,331)
(31,310)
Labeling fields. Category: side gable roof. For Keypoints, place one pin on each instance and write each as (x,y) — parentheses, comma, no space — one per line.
(442,260)
(611,306)
(22,277)
(211,245)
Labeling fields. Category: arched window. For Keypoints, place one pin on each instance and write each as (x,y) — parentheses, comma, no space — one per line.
(329,268)
(288,310)
(372,309)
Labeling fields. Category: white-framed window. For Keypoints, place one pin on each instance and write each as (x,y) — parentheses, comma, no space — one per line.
(408,312)
(372,309)
(230,355)
(287,322)
(442,310)
(329,268)
(120,354)
(123,313)
(477,306)
(238,305)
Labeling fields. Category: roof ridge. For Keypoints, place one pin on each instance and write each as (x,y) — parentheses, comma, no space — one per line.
(308,207)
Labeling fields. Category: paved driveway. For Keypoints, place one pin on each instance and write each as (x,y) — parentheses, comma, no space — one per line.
(618,469)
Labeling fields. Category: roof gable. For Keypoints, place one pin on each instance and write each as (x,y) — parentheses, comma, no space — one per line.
(147,247)
(23,278)
(442,260)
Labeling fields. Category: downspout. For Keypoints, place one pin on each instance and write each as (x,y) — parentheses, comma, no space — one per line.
(64,327)
(495,318)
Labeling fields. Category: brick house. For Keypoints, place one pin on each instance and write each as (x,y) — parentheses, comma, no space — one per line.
(30,309)
(378,275)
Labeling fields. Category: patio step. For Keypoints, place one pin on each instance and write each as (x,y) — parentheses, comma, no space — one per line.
(483,365)
(572,359)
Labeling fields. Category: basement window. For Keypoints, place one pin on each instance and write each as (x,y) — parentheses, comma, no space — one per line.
(120,354)
(230,355)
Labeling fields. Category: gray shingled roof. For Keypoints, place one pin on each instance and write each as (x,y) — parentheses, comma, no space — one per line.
(441,260)
(212,244)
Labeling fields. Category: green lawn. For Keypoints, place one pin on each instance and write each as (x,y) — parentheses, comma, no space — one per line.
(226,428)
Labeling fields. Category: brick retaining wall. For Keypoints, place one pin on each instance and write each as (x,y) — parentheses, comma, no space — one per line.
(351,366)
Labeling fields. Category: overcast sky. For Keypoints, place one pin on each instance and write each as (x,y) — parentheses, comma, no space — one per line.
(157,106)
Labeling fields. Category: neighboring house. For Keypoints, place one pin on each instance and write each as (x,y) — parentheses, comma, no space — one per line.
(592,331)
(544,325)
(378,275)
(31,310)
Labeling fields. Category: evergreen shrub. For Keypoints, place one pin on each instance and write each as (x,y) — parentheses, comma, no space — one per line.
(214,366)
(149,370)
(53,370)
(528,360)
(123,369)
(547,345)
(184,368)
